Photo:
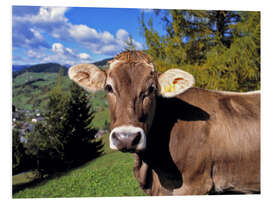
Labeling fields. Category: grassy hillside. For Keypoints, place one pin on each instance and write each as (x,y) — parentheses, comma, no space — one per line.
(107,176)
(42,68)
(30,91)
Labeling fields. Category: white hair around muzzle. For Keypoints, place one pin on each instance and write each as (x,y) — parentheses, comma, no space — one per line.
(129,129)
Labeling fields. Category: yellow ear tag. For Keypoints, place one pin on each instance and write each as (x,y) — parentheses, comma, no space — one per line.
(169,88)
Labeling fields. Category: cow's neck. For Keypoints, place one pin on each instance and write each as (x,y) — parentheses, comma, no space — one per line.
(157,156)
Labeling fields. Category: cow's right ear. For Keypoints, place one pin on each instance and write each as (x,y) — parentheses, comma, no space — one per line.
(88,76)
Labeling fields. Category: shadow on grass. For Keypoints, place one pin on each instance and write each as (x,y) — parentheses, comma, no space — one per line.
(41,181)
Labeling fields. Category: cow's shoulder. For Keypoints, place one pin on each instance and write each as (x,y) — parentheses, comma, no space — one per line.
(219,102)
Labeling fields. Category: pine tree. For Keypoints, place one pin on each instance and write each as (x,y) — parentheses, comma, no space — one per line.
(80,144)
(220,48)
(45,144)
(130,46)
(65,139)
(20,161)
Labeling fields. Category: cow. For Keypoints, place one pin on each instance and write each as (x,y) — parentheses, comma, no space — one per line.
(185,140)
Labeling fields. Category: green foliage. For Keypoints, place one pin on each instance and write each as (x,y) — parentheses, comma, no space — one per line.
(45,151)
(64,139)
(79,141)
(110,175)
(220,48)
(44,142)
(20,161)
(30,91)
(46,67)
(130,46)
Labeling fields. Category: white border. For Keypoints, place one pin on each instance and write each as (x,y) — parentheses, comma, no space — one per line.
(168,4)
(5,38)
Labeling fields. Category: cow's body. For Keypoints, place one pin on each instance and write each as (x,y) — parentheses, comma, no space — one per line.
(185,140)
(202,142)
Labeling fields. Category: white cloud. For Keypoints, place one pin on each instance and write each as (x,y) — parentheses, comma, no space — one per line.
(122,35)
(84,56)
(107,37)
(36,34)
(138,45)
(101,42)
(58,48)
(34,54)
(82,33)
(69,51)
(50,14)
(67,54)
(29,31)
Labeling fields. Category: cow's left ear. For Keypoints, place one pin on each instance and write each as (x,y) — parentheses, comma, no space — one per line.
(174,82)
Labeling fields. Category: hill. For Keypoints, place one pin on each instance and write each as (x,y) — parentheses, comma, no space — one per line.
(30,91)
(42,68)
(50,67)
(107,176)
(102,63)
(16,68)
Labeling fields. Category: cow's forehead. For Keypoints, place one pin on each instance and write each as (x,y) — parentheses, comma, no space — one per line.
(136,72)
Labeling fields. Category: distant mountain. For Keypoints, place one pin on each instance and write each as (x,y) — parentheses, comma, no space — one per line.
(102,62)
(49,67)
(42,68)
(16,68)
(67,65)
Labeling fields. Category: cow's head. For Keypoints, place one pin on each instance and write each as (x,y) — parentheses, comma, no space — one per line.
(132,85)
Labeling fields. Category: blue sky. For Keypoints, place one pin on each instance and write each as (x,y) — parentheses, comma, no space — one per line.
(72,35)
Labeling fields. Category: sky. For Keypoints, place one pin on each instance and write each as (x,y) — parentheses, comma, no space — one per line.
(72,35)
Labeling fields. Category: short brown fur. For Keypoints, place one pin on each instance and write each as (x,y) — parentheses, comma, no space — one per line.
(198,142)
(216,150)
(133,57)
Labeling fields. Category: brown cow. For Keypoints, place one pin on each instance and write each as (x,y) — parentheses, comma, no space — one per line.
(185,140)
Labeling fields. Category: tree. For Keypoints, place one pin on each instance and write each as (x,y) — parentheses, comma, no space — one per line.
(20,161)
(44,144)
(130,46)
(79,143)
(208,44)
(44,151)
(65,139)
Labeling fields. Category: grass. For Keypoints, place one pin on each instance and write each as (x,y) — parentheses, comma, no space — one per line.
(30,98)
(107,176)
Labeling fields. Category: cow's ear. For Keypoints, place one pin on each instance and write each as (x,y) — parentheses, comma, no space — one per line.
(88,76)
(174,82)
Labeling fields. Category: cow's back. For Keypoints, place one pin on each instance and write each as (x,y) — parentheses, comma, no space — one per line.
(223,146)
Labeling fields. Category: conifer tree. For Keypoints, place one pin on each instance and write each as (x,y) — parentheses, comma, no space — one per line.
(130,46)
(80,144)
(44,143)
(220,48)
(66,138)
(20,161)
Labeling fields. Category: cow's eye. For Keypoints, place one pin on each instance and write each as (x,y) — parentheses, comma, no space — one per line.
(149,91)
(108,88)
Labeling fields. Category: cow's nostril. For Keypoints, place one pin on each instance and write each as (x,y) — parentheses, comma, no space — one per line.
(114,136)
(137,139)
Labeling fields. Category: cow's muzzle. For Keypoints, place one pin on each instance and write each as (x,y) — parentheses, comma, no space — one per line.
(127,139)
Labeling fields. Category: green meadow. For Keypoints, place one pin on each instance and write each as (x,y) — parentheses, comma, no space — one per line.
(110,175)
